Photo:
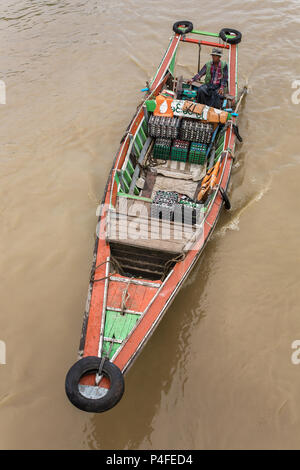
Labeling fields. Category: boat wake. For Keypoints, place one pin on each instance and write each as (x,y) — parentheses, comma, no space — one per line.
(233,224)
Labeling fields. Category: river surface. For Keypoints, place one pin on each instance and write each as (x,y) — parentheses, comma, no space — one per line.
(217,373)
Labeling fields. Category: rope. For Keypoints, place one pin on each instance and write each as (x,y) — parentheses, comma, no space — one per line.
(113,262)
(104,357)
(169,263)
(234,128)
(99,374)
(229,150)
(125,297)
(116,263)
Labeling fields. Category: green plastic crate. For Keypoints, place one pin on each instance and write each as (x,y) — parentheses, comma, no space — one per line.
(161,149)
(180,150)
(179,154)
(197,153)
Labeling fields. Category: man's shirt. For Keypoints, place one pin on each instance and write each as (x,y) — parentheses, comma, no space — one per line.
(216,75)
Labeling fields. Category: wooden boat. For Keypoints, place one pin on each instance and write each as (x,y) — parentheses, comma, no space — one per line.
(141,260)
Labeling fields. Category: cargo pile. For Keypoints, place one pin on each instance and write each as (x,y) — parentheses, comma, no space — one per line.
(196,131)
(165,127)
(163,205)
(169,205)
(183,140)
(187,212)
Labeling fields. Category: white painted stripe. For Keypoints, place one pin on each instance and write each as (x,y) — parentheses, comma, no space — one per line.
(135,281)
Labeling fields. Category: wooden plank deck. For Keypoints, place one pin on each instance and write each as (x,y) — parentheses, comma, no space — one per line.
(133,225)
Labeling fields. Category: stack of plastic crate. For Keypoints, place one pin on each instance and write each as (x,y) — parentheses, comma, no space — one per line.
(163,205)
(197,153)
(172,126)
(154,128)
(166,127)
(161,149)
(196,131)
(187,212)
(179,150)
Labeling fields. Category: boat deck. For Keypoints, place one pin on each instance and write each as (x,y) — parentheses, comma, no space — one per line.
(131,224)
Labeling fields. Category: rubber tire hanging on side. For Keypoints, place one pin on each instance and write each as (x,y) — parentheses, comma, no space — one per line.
(225,199)
(236,40)
(90,365)
(188,27)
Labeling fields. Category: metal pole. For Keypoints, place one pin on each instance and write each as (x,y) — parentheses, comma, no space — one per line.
(199,54)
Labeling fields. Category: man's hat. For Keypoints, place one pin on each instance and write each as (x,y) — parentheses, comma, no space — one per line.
(216,52)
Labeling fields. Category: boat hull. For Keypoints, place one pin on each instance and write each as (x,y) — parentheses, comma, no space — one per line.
(146,300)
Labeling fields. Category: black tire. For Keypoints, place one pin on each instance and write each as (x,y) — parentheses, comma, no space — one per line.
(236,40)
(188,27)
(90,365)
(225,199)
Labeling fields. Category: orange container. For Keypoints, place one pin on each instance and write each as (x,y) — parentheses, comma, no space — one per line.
(163,106)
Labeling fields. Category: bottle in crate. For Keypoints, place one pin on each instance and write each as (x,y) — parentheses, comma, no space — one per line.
(162,148)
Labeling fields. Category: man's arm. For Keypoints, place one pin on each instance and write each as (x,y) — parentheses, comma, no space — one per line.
(200,74)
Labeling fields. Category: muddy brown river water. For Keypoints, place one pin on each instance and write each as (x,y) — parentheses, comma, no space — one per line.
(218,372)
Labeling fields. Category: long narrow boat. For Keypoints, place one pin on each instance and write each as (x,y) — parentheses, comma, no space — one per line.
(162,201)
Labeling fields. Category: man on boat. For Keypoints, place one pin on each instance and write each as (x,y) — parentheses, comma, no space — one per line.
(216,80)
